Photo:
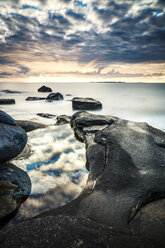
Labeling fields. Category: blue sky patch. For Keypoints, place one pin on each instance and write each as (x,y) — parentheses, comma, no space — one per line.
(26,6)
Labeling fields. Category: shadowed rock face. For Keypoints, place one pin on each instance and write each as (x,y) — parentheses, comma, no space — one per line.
(54,97)
(29,126)
(7,101)
(15,186)
(12,138)
(123,202)
(44,89)
(80,103)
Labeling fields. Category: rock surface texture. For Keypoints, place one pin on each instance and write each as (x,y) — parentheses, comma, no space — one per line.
(15,187)
(29,126)
(12,138)
(54,97)
(123,203)
(44,89)
(7,101)
(80,103)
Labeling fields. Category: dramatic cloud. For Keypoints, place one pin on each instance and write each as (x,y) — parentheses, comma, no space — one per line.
(96,33)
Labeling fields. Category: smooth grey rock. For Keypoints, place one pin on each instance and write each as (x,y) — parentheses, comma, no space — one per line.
(54,97)
(63,119)
(7,101)
(44,89)
(80,103)
(15,187)
(29,126)
(33,98)
(124,198)
(6,119)
(12,138)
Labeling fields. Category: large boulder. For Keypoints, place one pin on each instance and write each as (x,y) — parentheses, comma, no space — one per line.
(15,187)
(12,138)
(44,89)
(7,101)
(80,103)
(124,199)
(54,97)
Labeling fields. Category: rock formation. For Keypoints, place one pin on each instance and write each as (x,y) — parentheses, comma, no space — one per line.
(123,202)
(80,103)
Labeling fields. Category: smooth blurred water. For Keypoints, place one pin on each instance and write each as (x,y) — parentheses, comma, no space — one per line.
(137,102)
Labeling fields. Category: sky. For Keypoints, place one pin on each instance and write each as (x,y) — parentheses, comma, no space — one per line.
(82,41)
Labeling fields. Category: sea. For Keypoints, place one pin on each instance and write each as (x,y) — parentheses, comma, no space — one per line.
(56,163)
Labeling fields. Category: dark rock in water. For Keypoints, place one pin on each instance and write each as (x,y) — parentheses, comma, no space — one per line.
(7,101)
(79,103)
(46,115)
(63,119)
(68,95)
(29,126)
(44,89)
(124,198)
(29,98)
(15,187)
(12,140)
(11,91)
(54,97)
(6,119)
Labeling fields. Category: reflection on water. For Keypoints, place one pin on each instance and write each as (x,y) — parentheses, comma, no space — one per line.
(56,166)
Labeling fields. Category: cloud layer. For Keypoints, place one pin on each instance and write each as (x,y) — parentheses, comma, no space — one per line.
(99,34)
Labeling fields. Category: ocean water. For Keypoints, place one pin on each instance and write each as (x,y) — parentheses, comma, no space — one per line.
(137,102)
(56,164)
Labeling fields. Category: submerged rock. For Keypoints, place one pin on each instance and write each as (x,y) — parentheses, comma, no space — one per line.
(63,119)
(33,98)
(124,198)
(44,115)
(29,126)
(15,187)
(11,91)
(44,89)
(12,138)
(7,101)
(79,103)
(54,97)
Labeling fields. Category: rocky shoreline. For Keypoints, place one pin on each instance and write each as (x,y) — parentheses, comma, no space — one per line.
(123,202)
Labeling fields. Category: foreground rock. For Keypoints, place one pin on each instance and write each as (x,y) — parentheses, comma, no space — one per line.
(79,103)
(44,89)
(124,199)
(7,101)
(63,119)
(54,97)
(12,138)
(33,98)
(15,187)
(29,126)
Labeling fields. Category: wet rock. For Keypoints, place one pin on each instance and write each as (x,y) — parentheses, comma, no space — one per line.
(12,138)
(44,89)
(54,97)
(123,201)
(63,119)
(79,103)
(29,126)
(7,119)
(29,98)
(15,187)
(7,101)
(44,115)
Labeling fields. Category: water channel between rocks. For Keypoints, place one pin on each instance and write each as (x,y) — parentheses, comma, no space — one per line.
(56,166)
